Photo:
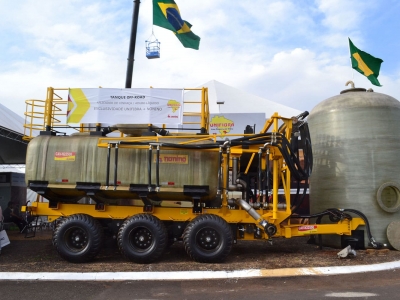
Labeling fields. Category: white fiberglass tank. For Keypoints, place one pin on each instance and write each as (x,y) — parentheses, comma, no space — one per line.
(356,146)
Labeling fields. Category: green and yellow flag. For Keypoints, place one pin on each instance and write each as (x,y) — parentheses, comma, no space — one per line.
(365,63)
(166,14)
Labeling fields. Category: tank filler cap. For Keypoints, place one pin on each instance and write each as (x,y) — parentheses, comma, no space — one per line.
(353,88)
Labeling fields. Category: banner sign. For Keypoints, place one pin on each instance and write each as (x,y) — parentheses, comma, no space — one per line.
(235,123)
(125,106)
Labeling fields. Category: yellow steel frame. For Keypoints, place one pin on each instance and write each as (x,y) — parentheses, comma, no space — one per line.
(185,214)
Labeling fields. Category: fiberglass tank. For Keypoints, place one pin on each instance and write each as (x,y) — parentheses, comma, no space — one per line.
(356,145)
(64,169)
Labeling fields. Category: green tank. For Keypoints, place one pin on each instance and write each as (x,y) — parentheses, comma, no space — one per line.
(68,168)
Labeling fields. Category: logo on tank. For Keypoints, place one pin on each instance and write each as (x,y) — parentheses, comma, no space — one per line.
(171,159)
(64,155)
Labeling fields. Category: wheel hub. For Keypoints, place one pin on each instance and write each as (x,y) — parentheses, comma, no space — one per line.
(142,238)
(77,239)
(208,239)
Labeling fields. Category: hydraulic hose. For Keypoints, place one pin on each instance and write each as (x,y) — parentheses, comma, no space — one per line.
(332,212)
(255,140)
(276,139)
(299,201)
(181,146)
(302,115)
(373,242)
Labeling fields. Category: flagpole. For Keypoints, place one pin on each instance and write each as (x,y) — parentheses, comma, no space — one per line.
(351,65)
(131,53)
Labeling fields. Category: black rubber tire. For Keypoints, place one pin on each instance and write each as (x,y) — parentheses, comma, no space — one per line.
(78,238)
(142,238)
(208,239)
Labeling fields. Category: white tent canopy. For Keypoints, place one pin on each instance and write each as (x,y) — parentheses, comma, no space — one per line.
(13,148)
(10,120)
(237,101)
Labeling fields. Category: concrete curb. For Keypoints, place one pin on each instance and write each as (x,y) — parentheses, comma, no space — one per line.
(195,275)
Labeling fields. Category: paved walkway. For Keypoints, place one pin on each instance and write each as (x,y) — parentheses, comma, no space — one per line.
(195,275)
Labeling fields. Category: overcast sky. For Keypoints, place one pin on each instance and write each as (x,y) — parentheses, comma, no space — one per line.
(292,52)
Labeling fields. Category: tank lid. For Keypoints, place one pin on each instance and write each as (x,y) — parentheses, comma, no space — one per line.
(352,89)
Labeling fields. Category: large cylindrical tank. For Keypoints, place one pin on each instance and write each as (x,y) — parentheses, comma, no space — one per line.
(356,144)
(65,163)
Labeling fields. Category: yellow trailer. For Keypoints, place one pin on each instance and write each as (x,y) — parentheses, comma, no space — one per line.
(150,187)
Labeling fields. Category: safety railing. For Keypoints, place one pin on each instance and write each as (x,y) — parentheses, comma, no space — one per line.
(50,114)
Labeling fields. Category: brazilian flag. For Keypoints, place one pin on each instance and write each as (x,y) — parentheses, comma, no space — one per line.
(365,63)
(166,14)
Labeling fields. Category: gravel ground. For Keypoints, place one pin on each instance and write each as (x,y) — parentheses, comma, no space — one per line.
(37,254)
